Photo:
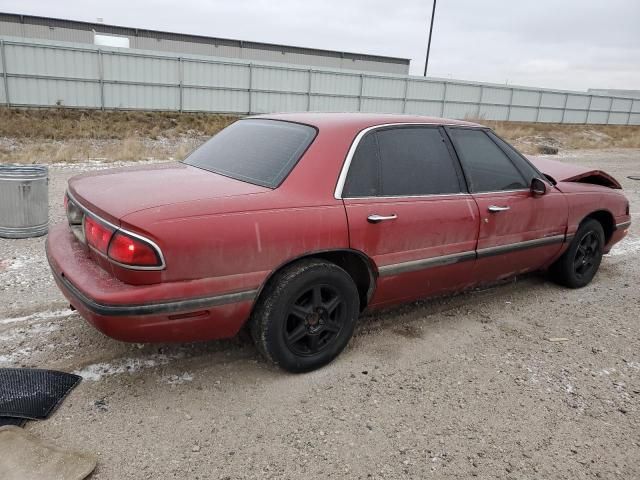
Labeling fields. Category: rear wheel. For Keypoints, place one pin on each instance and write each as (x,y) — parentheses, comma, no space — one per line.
(580,262)
(306,315)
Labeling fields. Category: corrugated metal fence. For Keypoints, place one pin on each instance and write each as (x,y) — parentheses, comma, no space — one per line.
(41,73)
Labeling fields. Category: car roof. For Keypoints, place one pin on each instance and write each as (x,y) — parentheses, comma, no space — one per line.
(360,120)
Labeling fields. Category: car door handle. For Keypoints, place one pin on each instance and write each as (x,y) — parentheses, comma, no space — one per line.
(381,218)
(496,208)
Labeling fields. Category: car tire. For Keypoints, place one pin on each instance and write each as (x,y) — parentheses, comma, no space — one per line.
(306,315)
(580,262)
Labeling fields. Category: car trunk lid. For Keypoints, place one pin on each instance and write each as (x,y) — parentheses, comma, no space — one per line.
(115,193)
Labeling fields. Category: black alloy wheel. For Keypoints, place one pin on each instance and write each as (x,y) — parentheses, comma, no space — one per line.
(314,320)
(587,253)
(579,263)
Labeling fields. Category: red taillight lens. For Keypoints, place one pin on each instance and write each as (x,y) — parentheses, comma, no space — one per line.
(132,251)
(123,248)
(97,234)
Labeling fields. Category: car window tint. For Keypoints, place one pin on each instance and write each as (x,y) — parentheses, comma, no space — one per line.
(526,169)
(363,179)
(262,152)
(415,161)
(487,167)
(401,161)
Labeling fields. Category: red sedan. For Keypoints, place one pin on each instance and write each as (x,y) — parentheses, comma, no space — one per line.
(296,223)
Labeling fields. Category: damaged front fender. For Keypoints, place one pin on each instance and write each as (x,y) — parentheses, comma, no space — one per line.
(563,172)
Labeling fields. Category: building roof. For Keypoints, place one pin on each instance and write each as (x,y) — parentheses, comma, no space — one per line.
(163,35)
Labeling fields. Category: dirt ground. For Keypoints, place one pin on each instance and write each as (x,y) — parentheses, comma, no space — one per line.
(467,386)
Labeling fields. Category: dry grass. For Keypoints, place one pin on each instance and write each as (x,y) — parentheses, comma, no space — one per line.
(81,150)
(66,135)
(65,124)
(71,135)
(529,137)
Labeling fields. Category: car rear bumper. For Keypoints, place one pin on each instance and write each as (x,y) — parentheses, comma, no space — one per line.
(142,313)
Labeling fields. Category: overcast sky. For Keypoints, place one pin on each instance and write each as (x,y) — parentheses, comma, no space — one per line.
(568,44)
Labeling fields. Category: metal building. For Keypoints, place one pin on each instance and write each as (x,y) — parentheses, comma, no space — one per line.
(29,27)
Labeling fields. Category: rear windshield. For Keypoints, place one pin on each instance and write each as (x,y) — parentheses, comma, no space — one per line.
(262,152)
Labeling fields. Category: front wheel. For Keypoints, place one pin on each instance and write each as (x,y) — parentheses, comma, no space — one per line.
(306,315)
(579,263)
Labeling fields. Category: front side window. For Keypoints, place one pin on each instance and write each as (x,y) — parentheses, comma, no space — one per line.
(402,161)
(262,152)
(526,169)
(487,167)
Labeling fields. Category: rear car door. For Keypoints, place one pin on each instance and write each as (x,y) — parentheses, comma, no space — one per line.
(519,230)
(408,209)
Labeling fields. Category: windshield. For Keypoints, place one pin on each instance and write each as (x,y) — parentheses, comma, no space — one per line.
(262,152)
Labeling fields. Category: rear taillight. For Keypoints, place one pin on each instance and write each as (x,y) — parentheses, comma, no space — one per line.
(122,247)
(133,251)
(74,213)
(97,234)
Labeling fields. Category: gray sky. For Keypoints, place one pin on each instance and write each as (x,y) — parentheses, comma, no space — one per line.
(568,44)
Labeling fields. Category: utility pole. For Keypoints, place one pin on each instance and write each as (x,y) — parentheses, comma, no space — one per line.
(433,13)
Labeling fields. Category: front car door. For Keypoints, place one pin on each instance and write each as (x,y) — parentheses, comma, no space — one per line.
(408,209)
(519,231)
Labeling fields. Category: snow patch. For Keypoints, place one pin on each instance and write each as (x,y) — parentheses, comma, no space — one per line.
(18,263)
(98,163)
(178,379)
(97,371)
(634,365)
(23,333)
(627,246)
(38,316)
(12,358)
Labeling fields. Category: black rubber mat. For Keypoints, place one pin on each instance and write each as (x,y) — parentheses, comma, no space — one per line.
(18,422)
(32,393)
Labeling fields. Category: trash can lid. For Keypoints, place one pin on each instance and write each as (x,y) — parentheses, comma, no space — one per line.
(23,172)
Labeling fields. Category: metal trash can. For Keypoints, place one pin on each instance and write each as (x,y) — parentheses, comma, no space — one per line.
(24,201)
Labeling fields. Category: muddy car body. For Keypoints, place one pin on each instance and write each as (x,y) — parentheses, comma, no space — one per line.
(298,222)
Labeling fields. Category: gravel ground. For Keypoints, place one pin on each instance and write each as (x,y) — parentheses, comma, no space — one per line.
(457,387)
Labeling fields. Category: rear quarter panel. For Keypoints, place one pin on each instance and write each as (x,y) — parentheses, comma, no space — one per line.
(244,247)
(241,240)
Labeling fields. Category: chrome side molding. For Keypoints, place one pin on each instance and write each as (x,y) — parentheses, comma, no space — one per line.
(423,263)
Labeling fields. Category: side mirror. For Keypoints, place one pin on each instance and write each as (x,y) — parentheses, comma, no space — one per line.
(538,187)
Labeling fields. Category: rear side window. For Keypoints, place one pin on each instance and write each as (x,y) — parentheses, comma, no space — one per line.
(401,162)
(487,167)
(262,152)
(363,179)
